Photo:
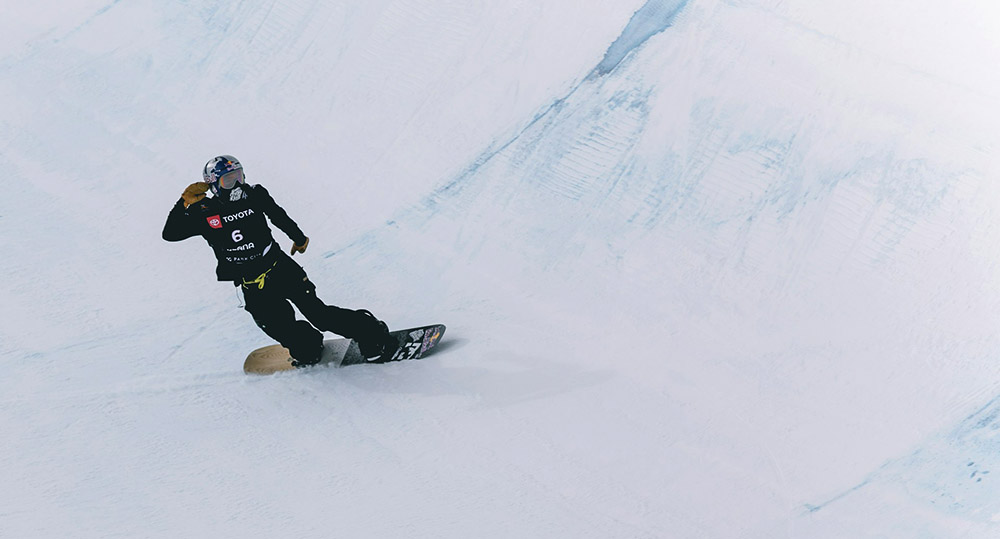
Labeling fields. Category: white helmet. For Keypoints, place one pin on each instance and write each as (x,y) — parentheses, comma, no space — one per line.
(223,173)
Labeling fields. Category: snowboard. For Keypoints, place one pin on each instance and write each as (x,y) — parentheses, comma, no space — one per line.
(414,343)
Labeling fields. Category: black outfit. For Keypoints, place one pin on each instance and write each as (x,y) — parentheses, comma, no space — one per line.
(248,255)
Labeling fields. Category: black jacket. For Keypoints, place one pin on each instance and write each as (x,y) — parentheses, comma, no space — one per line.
(236,230)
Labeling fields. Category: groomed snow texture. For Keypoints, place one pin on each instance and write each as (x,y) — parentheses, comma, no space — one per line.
(710,268)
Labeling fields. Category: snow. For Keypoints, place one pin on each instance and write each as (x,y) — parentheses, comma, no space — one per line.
(715,268)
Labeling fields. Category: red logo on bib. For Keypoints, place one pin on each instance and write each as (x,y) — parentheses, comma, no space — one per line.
(215,221)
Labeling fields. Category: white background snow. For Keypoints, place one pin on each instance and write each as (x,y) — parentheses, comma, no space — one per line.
(716,268)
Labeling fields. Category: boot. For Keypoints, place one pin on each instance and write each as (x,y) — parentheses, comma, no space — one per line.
(376,338)
(309,359)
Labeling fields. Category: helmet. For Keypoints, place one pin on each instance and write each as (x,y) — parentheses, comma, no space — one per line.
(223,173)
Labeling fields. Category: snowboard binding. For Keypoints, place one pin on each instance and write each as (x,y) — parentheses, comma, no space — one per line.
(378,343)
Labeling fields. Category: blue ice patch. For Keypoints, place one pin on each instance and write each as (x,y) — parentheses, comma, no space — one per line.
(651,19)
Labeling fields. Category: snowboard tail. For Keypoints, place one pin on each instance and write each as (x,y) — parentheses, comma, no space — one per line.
(414,343)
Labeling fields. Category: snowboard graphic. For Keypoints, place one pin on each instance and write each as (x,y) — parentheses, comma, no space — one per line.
(414,343)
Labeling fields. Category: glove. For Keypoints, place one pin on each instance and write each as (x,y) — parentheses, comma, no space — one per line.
(194,193)
(299,248)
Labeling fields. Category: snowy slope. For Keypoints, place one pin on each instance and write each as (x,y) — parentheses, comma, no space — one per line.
(709,268)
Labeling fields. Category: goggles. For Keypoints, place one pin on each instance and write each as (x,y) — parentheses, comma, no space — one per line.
(231,178)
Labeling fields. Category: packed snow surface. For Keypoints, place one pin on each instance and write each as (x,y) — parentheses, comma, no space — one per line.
(710,268)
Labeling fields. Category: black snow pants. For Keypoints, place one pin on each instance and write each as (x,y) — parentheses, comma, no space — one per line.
(269,297)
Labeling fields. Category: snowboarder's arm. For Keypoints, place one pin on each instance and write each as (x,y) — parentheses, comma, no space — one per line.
(278,216)
(179,225)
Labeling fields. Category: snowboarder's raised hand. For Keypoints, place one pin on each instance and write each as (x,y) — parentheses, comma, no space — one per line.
(194,192)
(299,248)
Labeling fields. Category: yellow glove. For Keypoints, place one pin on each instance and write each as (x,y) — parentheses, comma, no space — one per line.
(194,193)
(299,248)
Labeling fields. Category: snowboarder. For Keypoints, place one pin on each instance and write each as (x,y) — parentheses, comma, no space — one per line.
(233,223)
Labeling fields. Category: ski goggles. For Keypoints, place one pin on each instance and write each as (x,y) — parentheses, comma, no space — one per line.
(231,178)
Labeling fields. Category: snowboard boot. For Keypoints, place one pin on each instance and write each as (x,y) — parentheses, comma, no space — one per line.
(308,361)
(377,341)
